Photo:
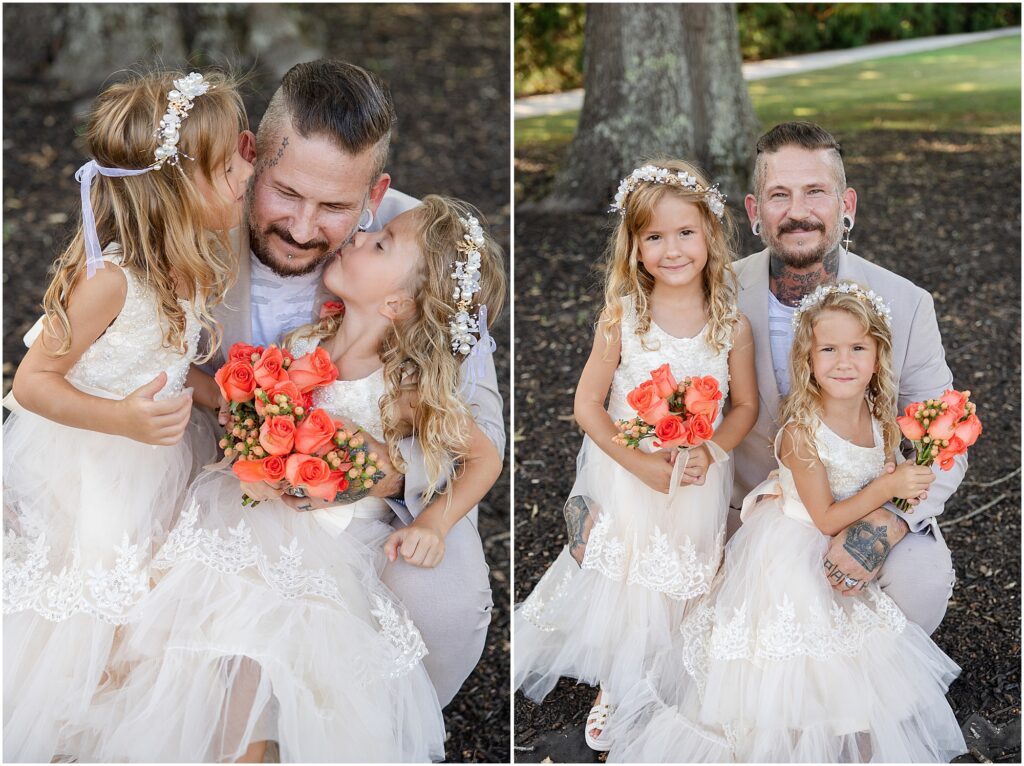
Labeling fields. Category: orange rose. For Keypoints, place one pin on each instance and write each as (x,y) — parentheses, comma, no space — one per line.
(664,383)
(249,471)
(273,468)
(706,387)
(312,473)
(911,427)
(913,409)
(312,370)
(643,397)
(331,308)
(943,425)
(314,432)
(277,434)
(268,369)
(656,413)
(671,432)
(968,430)
(700,429)
(947,455)
(236,381)
(287,388)
(955,401)
(243,352)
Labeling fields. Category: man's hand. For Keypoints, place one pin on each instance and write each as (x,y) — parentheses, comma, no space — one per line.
(261,490)
(393,483)
(420,545)
(856,554)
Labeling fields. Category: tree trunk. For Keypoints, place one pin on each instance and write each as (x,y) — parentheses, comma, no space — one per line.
(660,79)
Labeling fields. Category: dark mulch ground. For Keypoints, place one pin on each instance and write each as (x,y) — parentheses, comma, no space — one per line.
(941,209)
(453,138)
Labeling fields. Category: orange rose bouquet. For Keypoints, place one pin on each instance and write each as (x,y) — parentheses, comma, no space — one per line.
(674,414)
(940,429)
(274,433)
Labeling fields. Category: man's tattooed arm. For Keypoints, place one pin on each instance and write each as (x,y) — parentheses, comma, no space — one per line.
(576,516)
(868,544)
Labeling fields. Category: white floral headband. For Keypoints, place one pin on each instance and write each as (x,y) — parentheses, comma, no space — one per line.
(819,294)
(713,198)
(467,284)
(179,102)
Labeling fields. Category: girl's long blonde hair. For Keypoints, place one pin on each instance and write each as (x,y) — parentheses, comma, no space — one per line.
(157,218)
(416,350)
(626,277)
(803,405)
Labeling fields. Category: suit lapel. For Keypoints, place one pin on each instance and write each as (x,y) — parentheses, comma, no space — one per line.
(236,316)
(753,301)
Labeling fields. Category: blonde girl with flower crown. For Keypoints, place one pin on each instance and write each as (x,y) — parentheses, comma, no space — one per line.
(637,559)
(759,666)
(272,623)
(86,500)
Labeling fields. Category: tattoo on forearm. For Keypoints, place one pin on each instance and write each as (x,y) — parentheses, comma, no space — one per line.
(867,545)
(352,494)
(576,515)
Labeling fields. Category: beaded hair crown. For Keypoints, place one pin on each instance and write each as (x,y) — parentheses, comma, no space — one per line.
(713,198)
(873,299)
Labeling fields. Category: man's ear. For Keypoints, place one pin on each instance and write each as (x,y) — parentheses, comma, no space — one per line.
(247,145)
(378,189)
(850,203)
(396,306)
(750,203)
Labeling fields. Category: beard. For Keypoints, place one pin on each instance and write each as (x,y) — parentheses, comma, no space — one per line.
(260,245)
(802,259)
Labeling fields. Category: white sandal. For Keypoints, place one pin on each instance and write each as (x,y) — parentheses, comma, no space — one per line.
(598,719)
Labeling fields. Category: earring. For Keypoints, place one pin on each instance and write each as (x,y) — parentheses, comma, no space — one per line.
(366,219)
(756,228)
(847,228)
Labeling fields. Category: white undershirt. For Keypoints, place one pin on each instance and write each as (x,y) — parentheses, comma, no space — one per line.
(280,304)
(780,333)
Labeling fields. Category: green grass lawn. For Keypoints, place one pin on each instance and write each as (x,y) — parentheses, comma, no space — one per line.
(967,88)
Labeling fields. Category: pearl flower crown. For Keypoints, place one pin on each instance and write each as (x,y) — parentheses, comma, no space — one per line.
(713,198)
(819,294)
(462,325)
(179,102)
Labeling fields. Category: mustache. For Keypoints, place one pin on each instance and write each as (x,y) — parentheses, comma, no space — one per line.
(807,224)
(313,244)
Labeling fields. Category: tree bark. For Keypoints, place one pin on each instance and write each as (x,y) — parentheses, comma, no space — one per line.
(660,79)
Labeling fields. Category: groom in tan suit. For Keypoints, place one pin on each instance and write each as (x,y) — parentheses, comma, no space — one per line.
(319,177)
(801,208)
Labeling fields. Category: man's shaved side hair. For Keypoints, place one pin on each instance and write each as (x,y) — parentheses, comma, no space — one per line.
(333,99)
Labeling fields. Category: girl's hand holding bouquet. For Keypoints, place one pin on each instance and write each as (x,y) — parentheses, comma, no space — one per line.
(275,436)
(940,429)
(674,416)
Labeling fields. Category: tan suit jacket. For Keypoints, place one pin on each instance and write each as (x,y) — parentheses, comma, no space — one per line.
(918,360)
(235,317)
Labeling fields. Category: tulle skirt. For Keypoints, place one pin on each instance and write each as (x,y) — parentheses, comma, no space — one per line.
(775,666)
(645,560)
(267,625)
(84,512)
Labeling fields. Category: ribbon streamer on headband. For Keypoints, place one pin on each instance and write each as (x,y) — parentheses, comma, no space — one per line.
(85,175)
(476,365)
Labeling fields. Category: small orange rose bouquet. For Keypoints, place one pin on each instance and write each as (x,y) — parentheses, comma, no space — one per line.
(940,429)
(673,415)
(274,433)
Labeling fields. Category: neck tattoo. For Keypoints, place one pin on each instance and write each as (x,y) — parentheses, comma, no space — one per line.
(790,285)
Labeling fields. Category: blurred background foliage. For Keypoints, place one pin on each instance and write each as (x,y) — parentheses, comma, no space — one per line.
(549,37)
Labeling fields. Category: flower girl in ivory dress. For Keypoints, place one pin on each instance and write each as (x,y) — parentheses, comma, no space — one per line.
(271,623)
(85,504)
(774,665)
(638,556)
